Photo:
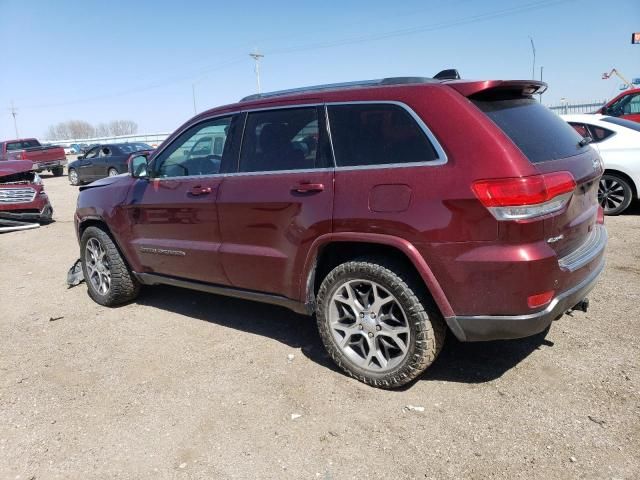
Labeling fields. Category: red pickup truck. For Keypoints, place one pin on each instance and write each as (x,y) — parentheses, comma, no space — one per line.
(51,158)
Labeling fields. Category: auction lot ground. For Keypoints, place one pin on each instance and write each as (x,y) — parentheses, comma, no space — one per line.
(182,384)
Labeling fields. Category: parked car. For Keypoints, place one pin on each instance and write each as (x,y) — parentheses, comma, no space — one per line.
(393,209)
(618,142)
(626,105)
(51,158)
(22,195)
(102,161)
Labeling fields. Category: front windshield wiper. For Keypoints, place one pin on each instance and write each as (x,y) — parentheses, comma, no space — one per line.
(585,141)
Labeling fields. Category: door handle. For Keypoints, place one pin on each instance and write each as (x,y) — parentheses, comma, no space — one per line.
(308,187)
(199,190)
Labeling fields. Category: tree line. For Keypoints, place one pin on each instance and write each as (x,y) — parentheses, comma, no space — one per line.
(79,129)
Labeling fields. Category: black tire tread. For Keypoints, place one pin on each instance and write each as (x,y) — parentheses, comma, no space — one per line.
(429,326)
(124,287)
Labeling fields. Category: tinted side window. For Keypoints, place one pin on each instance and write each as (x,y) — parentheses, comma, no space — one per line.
(281,140)
(377,134)
(192,153)
(599,134)
(581,128)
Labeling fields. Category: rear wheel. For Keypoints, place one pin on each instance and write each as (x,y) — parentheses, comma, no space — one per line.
(74,179)
(614,194)
(57,171)
(374,324)
(108,278)
(113,172)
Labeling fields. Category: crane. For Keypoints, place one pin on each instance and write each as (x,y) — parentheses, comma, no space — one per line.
(607,76)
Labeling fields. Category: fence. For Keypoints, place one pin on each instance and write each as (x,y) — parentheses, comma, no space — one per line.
(567,108)
(153,139)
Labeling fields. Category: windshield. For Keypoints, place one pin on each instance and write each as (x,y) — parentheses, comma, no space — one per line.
(134,147)
(538,132)
(623,123)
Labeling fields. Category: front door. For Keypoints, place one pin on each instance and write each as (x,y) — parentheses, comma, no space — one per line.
(174,215)
(87,165)
(279,202)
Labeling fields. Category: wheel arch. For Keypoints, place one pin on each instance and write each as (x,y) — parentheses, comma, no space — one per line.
(99,222)
(332,249)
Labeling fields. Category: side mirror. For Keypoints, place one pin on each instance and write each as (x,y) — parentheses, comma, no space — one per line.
(138,166)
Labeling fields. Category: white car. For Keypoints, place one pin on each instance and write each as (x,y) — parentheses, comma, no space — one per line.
(618,142)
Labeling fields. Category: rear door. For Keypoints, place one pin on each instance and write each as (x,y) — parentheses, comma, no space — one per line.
(279,202)
(174,216)
(552,145)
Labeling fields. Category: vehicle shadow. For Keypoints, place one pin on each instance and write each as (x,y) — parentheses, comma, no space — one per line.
(633,209)
(459,362)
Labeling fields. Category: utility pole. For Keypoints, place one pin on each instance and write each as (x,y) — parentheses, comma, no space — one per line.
(533,66)
(14,112)
(257,56)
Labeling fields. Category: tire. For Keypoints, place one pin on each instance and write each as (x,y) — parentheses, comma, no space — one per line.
(109,281)
(74,178)
(47,215)
(57,171)
(112,172)
(614,194)
(350,336)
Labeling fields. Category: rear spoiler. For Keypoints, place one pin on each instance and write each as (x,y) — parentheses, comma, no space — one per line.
(470,88)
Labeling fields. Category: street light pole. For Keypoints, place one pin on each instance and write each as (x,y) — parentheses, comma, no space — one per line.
(193,94)
(257,56)
(533,66)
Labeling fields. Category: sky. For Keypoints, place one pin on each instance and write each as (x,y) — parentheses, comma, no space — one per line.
(143,60)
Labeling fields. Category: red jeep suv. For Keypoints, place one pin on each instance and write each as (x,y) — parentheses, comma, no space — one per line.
(394,210)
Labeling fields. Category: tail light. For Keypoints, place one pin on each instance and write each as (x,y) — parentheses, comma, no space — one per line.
(525,197)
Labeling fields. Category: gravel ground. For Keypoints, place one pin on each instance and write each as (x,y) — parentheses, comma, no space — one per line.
(182,384)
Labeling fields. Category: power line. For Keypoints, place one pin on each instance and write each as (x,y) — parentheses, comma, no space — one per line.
(349,41)
(425,28)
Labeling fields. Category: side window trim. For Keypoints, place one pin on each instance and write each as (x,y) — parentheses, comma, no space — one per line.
(179,135)
(322,124)
(441,159)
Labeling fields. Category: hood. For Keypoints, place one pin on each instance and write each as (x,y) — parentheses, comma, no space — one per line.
(103,182)
(12,167)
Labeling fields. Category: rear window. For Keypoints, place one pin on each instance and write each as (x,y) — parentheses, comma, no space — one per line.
(22,145)
(538,132)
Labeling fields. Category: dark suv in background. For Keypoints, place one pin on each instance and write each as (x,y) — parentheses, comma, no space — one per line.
(394,210)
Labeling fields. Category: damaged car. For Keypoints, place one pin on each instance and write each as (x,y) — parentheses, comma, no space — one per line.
(22,195)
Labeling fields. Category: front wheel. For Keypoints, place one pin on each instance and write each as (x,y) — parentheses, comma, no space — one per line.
(113,172)
(108,278)
(74,179)
(614,194)
(374,324)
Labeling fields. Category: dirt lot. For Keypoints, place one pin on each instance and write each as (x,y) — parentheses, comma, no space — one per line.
(188,385)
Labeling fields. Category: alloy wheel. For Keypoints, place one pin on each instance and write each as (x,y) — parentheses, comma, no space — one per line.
(611,193)
(98,269)
(113,172)
(73,177)
(369,325)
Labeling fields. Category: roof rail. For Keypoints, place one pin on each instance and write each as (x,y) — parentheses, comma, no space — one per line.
(344,85)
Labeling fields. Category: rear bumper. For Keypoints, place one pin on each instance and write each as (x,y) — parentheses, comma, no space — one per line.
(503,327)
(49,164)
